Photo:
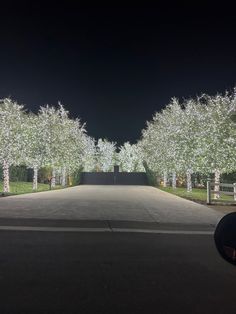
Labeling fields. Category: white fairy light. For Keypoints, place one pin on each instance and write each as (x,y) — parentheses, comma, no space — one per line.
(11,141)
(130,158)
(196,136)
(106,155)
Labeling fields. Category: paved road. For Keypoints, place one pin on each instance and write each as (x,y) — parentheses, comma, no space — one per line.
(121,203)
(146,252)
(80,272)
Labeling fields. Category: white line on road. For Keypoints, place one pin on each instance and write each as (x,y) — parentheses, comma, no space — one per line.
(54,229)
(78,229)
(163,231)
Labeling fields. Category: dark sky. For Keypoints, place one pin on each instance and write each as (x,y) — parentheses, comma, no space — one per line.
(114,66)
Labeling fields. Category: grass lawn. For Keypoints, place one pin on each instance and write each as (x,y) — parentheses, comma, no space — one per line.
(198,195)
(26,187)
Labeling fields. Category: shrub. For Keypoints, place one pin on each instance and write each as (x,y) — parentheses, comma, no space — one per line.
(76,177)
(151,175)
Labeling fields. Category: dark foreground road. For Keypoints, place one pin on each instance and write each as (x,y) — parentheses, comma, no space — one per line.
(113,272)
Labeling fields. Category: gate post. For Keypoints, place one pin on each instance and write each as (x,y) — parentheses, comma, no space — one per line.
(116,170)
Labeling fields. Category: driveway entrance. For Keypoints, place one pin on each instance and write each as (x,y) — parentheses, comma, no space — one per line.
(108,202)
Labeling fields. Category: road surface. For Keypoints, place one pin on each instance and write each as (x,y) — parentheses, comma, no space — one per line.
(102,272)
(123,203)
(111,249)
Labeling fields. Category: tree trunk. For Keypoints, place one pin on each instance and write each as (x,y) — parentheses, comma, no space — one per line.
(35,178)
(217,184)
(189,180)
(6,185)
(63,180)
(165,179)
(53,180)
(174,180)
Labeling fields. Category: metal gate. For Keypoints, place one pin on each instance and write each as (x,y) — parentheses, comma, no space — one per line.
(114,178)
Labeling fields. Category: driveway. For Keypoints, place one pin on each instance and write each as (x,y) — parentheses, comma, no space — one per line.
(108,203)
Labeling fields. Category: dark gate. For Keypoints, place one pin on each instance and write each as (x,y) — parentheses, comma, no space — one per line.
(116,177)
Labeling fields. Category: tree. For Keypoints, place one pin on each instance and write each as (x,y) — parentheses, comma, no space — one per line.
(106,155)
(160,141)
(75,146)
(35,148)
(11,142)
(49,119)
(130,158)
(197,136)
(63,140)
(217,139)
(89,153)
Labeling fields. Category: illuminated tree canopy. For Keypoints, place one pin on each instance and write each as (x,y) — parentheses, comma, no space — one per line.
(47,139)
(12,143)
(129,158)
(105,155)
(197,135)
(194,136)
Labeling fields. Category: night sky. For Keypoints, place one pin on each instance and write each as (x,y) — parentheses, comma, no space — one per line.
(114,66)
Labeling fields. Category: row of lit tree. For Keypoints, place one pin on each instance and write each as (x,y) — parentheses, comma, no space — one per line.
(49,139)
(197,135)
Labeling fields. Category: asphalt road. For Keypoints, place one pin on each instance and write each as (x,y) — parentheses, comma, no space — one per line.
(113,272)
(106,249)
